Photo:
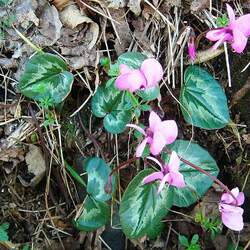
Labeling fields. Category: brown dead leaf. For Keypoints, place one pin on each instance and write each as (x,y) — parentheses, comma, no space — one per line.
(198,5)
(60,4)
(13,155)
(36,166)
(25,13)
(72,17)
(124,38)
(50,24)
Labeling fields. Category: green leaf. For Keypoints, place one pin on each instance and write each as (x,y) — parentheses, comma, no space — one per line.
(197,183)
(75,175)
(194,239)
(46,78)
(3,232)
(98,173)
(149,94)
(131,59)
(113,105)
(183,240)
(204,99)
(95,214)
(142,209)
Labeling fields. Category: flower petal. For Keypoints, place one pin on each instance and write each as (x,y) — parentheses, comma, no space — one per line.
(154,120)
(176,179)
(138,128)
(156,161)
(162,184)
(242,23)
(140,148)
(231,14)
(153,177)
(124,69)
(158,143)
(216,34)
(239,41)
(174,162)
(168,129)
(152,71)
(131,81)
(226,37)
(232,217)
(240,198)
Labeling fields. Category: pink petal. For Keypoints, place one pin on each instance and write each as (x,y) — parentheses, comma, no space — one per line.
(154,120)
(138,128)
(156,161)
(230,13)
(176,179)
(226,37)
(174,162)
(240,198)
(239,42)
(168,129)
(158,143)
(216,34)
(131,81)
(124,69)
(153,177)
(242,23)
(162,184)
(191,50)
(140,148)
(227,198)
(232,217)
(152,71)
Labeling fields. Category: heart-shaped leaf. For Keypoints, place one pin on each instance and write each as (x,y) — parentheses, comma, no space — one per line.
(46,78)
(95,214)
(142,209)
(197,183)
(204,99)
(131,59)
(113,105)
(149,94)
(98,176)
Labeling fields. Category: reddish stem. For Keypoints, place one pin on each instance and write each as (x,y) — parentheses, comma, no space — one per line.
(206,173)
(108,187)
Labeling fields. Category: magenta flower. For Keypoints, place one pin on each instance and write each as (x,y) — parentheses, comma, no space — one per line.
(169,173)
(157,135)
(148,76)
(231,213)
(236,32)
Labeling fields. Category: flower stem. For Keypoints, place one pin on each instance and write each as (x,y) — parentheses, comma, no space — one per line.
(32,45)
(206,173)
(108,187)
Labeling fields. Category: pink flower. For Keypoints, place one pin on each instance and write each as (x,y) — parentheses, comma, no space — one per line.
(157,135)
(231,212)
(236,32)
(148,76)
(169,173)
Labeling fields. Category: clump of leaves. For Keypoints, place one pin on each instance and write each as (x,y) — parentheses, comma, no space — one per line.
(3,232)
(208,224)
(222,21)
(192,245)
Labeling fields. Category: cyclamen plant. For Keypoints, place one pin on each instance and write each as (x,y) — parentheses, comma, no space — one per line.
(186,170)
